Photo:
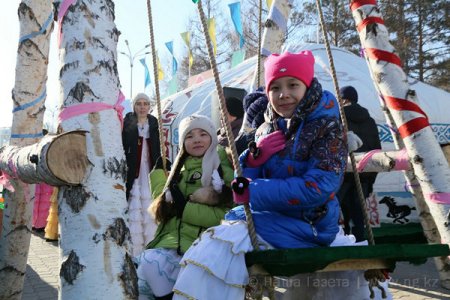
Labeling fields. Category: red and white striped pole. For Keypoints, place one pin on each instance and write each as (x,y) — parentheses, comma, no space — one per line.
(429,163)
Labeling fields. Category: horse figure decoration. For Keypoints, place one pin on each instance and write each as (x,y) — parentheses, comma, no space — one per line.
(397,212)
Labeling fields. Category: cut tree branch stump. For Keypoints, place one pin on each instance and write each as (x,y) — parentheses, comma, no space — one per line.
(56,160)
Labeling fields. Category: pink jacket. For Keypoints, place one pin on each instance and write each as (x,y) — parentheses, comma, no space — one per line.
(43,192)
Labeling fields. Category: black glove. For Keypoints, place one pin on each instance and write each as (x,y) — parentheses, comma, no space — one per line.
(179,202)
(240,184)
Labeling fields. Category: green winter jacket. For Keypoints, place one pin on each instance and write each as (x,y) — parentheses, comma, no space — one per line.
(181,233)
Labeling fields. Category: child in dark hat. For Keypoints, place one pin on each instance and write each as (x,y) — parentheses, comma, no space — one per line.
(349,93)
(255,105)
(361,124)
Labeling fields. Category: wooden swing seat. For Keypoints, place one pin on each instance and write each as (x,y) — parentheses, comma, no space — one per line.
(288,262)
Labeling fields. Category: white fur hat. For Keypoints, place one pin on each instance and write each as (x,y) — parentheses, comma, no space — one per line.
(142,96)
(211,160)
(196,121)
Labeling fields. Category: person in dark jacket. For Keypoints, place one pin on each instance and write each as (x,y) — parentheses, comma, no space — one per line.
(140,138)
(235,117)
(364,126)
(255,105)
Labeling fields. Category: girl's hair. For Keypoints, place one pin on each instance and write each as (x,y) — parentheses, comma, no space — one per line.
(161,209)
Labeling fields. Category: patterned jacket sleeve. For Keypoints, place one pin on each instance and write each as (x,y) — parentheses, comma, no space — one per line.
(319,183)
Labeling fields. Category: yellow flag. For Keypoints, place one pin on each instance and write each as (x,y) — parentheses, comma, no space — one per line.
(269,3)
(186,36)
(212,33)
(160,70)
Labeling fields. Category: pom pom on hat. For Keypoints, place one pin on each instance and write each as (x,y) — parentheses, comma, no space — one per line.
(298,65)
(349,93)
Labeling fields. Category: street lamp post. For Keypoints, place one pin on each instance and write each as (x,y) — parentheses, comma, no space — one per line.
(131,58)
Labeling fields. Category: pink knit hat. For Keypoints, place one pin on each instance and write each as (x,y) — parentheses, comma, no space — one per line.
(299,65)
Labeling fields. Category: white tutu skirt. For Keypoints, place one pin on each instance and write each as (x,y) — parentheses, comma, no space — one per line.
(142,226)
(214,268)
(157,272)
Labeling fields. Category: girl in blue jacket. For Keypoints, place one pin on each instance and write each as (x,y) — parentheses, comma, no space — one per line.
(290,178)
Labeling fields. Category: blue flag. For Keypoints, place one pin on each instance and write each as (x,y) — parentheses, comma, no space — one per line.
(147,73)
(235,11)
(169,46)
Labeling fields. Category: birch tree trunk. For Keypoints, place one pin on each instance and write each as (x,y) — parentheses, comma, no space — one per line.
(28,95)
(93,220)
(430,230)
(431,171)
(381,161)
(55,159)
(274,34)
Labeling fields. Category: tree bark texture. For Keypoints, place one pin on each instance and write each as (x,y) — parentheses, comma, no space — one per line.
(93,218)
(431,171)
(55,159)
(274,34)
(28,95)
(430,230)
(382,161)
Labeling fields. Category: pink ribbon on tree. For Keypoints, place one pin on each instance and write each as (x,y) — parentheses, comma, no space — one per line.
(402,160)
(86,108)
(440,198)
(5,181)
(365,160)
(61,13)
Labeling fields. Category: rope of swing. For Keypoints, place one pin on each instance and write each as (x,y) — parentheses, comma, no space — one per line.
(373,276)
(361,198)
(256,269)
(223,110)
(158,97)
(258,68)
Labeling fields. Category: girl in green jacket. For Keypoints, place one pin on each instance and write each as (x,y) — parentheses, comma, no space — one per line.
(192,198)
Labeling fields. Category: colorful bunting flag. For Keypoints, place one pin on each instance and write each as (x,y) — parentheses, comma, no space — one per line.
(147,73)
(186,36)
(237,57)
(169,46)
(235,11)
(172,87)
(269,3)
(212,33)
(160,70)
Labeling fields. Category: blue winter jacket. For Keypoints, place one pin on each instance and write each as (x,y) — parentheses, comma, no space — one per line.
(292,196)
